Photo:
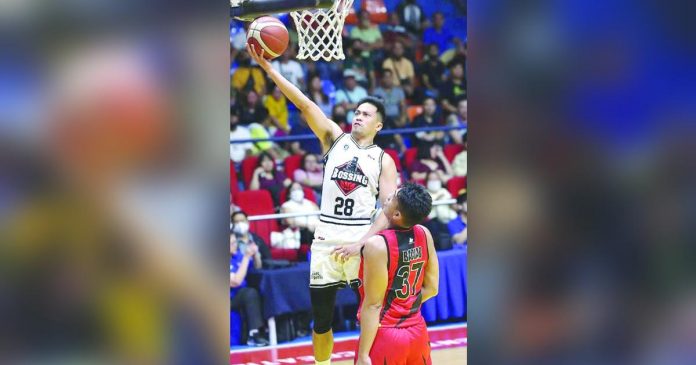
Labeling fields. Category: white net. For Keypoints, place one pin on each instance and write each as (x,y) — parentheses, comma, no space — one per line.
(319,31)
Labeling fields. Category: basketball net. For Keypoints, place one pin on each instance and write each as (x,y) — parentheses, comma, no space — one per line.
(319,31)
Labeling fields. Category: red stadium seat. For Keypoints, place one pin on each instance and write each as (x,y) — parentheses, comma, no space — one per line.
(452,150)
(395,156)
(292,163)
(234,188)
(410,157)
(248,167)
(455,184)
(308,193)
(257,202)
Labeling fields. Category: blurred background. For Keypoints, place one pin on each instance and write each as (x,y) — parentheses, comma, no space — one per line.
(581,182)
(112,231)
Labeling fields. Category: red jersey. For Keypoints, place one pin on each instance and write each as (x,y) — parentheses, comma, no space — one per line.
(406,262)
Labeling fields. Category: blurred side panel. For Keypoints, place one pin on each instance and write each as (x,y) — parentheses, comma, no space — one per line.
(113,182)
(581,182)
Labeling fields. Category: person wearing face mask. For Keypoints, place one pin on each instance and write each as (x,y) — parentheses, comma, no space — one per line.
(338,115)
(244,299)
(240,231)
(457,226)
(440,215)
(297,203)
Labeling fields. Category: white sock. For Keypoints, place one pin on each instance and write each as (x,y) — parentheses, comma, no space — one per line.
(325,362)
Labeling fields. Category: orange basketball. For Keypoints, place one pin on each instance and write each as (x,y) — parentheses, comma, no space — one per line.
(269,34)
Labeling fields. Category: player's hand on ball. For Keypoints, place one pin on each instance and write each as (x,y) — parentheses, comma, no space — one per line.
(345,252)
(258,57)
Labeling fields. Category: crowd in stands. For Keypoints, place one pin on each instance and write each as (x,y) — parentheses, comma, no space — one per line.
(413,63)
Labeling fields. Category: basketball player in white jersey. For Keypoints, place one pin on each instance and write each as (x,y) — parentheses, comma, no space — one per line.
(356,173)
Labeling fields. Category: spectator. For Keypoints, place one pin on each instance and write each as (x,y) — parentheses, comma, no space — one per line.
(297,203)
(310,174)
(243,298)
(429,118)
(266,177)
(432,71)
(453,89)
(316,94)
(277,107)
(362,66)
(304,146)
(430,158)
(457,226)
(368,34)
(456,54)
(247,77)
(411,16)
(458,120)
(440,215)
(238,151)
(252,110)
(459,163)
(350,95)
(244,237)
(338,115)
(403,73)
(290,68)
(394,101)
(259,131)
(394,32)
(438,34)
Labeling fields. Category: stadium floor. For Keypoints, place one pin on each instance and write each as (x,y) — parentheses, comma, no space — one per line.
(448,343)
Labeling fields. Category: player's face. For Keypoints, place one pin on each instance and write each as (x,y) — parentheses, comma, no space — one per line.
(390,205)
(366,120)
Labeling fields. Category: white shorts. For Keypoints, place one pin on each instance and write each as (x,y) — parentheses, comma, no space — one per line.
(325,271)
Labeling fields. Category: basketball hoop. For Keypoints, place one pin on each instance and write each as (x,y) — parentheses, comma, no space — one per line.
(319,31)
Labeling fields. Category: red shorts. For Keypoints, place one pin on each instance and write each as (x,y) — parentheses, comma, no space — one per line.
(401,346)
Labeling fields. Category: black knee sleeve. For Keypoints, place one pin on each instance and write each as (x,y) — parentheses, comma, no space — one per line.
(323,302)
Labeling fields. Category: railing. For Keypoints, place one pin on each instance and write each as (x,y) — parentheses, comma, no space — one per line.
(381,133)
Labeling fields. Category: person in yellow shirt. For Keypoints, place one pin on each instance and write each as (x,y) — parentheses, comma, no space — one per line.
(247,77)
(277,109)
(403,73)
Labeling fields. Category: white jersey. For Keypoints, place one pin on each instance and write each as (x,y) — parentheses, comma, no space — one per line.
(349,191)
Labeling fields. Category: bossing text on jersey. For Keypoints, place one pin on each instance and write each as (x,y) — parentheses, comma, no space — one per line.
(349,176)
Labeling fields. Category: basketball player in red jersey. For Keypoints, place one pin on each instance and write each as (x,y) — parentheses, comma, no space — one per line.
(399,271)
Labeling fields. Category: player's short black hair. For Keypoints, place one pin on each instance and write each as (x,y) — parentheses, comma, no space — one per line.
(414,203)
(377,103)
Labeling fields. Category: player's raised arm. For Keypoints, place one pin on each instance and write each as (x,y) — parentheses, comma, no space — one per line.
(375,278)
(432,270)
(326,130)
